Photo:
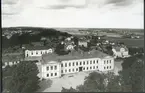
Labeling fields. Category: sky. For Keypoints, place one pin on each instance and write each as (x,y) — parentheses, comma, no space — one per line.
(73,13)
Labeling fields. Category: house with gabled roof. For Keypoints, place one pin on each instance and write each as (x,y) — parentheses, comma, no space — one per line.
(120,51)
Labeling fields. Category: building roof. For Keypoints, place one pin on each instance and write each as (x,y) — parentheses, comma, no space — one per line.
(117,48)
(33,58)
(37,43)
(73,55)
(37,48)
(12,58)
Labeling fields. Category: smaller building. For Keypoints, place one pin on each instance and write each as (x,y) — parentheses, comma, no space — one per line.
(69,47)
(37,51)
(83,43)
(9,60)
(120,51)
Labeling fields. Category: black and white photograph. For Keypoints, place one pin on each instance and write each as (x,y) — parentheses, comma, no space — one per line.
(72,46)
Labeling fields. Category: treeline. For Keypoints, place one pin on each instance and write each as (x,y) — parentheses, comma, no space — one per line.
(135,50)
(27,38)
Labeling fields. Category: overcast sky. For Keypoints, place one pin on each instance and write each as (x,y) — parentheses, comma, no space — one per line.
(73,13)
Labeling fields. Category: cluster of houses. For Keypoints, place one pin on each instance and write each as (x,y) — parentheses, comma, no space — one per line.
(53,65)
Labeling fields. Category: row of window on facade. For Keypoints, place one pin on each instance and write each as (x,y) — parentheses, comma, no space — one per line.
(51,68)
(87,68)
(81,63)
(107,61)
(73,70)
(73,64)
(84,63)
(51,74)
(11,63)
(50,51)
(108,67)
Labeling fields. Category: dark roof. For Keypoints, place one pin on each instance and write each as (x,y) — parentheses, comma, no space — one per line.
(11,58)
(73,55)
(37,48)
(33,58)
(117,48)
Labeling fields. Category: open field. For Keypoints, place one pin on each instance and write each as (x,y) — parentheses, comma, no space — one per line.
(127,41)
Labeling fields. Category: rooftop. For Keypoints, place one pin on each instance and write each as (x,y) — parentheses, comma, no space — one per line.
(37,48)
(117,48)
(73,55)
(11,58)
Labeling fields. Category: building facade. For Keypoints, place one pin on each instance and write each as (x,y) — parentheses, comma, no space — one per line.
(120,52)
(53,69)
(34,53)
(83,43)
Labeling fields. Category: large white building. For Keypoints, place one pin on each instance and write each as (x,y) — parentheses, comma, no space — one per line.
(37,51)
(53,65)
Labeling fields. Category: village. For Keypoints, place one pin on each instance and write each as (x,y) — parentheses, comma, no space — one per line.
(66,57)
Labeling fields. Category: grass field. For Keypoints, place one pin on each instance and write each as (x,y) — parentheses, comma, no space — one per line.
(127,41)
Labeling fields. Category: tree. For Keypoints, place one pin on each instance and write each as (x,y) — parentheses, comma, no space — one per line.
(93,83)
(60,50)
(114,83)
(132,74)
(68,90)
(24,78)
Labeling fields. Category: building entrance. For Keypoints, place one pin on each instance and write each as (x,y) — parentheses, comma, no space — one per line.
(80,69)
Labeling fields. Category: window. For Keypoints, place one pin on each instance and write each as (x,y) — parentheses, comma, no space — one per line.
(55,74)
(36,52)
(41,52)
(27,55)
(90,67)
(87,62)
(76,69)
(31,53)
(110,61)
(87,68)
(69,64)
(104,67)
(73,63)
(47,68)
(94,61)
(51,67)
(107,61)
(107,67)
(73,70)
(65,70)
(84,68)
(65,64)
(61,65)
(84,63)
(51,74)
(69,70)
(104,61)
(47,75)
(97,61)
(80,63)
(77,63)
(94,67)
(110,67)
(61,71)
(55,67)
(91,62)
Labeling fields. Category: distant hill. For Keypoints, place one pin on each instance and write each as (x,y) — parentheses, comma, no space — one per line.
(38,28)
